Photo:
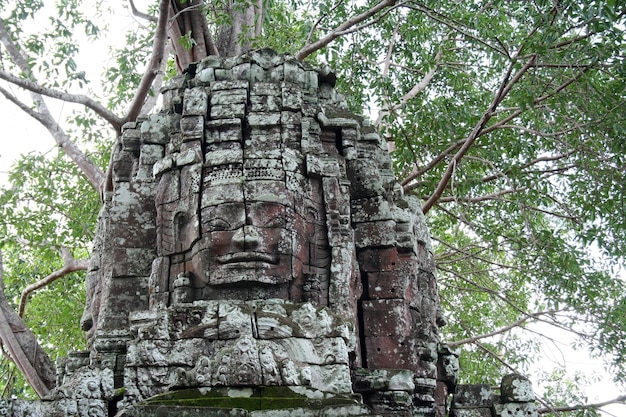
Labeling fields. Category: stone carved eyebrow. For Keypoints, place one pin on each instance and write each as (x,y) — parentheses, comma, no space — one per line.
(226,216)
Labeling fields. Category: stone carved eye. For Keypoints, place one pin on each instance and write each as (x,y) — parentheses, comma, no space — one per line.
(218,224)
(276,222)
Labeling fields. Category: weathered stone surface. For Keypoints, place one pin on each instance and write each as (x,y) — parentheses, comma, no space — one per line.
(255,241)
(472,396)
(516,388)
(515,410)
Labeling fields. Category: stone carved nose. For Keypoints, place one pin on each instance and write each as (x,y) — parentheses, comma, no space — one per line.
(246,238)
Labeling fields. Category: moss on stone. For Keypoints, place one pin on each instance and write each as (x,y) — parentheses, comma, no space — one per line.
(262,398)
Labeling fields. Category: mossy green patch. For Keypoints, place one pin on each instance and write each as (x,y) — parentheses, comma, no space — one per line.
(251,399)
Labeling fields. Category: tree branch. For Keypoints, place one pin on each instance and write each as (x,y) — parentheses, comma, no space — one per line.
(319,20)
(417,88)
(486,197)
(23,348)
(505,87)
(501,330)
(42,114)
(141,15)
(86,101)
(158,48)
(621,400)
(69,265)
(334,34)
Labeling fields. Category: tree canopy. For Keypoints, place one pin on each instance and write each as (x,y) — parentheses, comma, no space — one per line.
(505,118)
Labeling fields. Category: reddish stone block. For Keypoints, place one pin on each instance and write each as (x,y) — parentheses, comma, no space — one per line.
(388,352)
(386,318)
(386,285)
(378,260)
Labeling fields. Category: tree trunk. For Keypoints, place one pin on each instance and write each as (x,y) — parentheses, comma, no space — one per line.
(23,348)
(192,40)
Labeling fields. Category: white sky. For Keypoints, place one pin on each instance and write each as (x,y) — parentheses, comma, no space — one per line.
(21,134)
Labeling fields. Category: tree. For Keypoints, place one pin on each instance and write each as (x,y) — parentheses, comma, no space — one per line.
(506,118)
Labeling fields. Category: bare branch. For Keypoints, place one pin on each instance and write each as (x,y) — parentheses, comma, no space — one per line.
(43,115)
(334,34)
(505,88)
(496,357)
(319,20)
(431,165)
(446,21)
(531,163)
(392,43)
(501,330)
(621,400)
(417,88)
(23,349)
(486,197)
(69,265)
(158,51)
(86,101)
(141,15)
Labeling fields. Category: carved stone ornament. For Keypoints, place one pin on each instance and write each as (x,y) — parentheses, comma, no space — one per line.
(255,254)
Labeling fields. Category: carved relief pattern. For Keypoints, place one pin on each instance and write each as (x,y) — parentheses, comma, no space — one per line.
(256,237)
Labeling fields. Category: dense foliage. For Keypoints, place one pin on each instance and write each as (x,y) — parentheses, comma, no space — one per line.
(507,119)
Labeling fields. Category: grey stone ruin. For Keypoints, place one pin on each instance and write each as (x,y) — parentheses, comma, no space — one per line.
(256,257)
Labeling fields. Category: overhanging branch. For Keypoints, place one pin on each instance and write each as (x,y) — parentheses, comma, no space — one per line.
(69,265)
(86,101)
(341,29)
(158,52)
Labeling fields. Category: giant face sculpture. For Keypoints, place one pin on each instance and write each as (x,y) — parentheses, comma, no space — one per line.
(242,222)
(258,235)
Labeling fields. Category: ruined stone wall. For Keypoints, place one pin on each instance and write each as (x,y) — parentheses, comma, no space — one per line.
(256,254)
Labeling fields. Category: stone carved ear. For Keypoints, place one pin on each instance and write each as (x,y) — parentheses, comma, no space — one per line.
(179,223)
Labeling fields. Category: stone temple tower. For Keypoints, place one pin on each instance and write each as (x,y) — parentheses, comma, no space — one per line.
(256,257)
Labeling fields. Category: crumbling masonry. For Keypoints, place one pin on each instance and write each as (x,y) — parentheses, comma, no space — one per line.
(256,257)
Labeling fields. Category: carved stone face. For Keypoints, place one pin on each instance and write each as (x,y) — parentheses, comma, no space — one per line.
(249,242)
(252,234)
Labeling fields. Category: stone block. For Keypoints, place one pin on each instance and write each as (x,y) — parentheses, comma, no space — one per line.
(400,352)
(241,71)
(192,127)
(368,380)
(132,262)
(331,378)
(516,388)
(157,129)
(195,101)
(229,85)
(384,285)
(375,234)
(515,410)
(265,103)
(391,402)
(371,209)
(266,89)
(378,260)
(292,96)
(263,119)
(386,318)
(228,111)
(471,412)
(150,154)
(226,97)
(472,396)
